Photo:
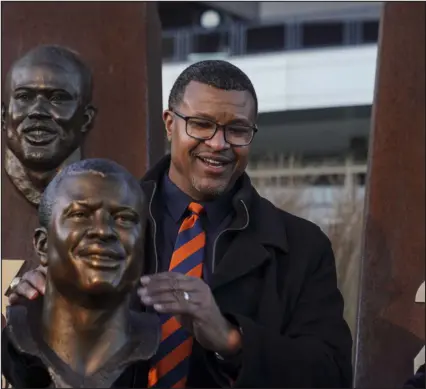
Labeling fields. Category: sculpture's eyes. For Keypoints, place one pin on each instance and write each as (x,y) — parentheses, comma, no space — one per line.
(59,97)
(24,96)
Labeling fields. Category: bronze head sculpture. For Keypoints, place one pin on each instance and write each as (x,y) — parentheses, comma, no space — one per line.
(47,112)
(82,333)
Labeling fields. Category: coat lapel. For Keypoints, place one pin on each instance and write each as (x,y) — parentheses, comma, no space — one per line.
(248,250)
(244,255)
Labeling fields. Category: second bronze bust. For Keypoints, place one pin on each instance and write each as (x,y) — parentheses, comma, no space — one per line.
(47,112)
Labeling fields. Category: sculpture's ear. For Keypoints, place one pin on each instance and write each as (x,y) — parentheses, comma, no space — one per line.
(40,244)
(90,113)
(3,116)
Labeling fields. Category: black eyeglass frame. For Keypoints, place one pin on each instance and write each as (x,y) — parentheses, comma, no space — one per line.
(217,125)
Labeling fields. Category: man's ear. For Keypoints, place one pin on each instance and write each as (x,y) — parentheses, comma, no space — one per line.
(40,244)
(168,123)
(3,116)
(90,113)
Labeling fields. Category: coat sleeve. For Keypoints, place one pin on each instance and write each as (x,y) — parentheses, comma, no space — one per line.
(313,351)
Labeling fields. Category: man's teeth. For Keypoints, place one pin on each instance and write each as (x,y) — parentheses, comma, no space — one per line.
(212,162)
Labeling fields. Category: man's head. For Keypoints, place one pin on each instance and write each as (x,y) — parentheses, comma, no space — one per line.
(92,216)
(47,110)
(206,93)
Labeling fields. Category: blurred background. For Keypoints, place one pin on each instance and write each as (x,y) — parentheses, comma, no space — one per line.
(313,67)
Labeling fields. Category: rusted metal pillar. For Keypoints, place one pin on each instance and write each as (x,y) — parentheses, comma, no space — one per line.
(391,326)
(121,42)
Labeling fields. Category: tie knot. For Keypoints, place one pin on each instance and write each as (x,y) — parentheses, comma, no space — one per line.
(195,208)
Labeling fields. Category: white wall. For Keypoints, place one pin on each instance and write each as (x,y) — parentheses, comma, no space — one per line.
(305,79)
(317,10)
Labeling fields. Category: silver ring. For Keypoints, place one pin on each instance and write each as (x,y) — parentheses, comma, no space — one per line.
(186,296)
(15,282)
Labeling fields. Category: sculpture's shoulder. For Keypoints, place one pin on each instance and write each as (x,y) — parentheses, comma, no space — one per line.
(19,368)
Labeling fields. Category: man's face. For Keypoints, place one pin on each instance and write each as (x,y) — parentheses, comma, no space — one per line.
(189,169)
(95,236)
(44,117)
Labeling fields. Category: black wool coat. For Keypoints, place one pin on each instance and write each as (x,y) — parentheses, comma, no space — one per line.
(274,275)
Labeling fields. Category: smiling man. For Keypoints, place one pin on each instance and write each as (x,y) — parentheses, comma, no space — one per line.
(91,239)
(46,115)
(247,293)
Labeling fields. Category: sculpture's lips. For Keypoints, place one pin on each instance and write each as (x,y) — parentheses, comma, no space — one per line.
(39,135)
(101,258)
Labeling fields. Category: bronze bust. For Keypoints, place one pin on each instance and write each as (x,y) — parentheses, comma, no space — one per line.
(47,112)
(82,333)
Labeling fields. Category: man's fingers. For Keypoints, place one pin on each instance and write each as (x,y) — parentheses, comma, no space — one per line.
(174,308)
(145,280)
(36,279)
(159,298)
(169,296)
(167,286)
(26,290)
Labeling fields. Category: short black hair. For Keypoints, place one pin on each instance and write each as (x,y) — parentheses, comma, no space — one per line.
(62,55)
(216,73)
(94,165)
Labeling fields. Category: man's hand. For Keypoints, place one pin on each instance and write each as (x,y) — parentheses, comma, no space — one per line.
(31,285)
(191,300)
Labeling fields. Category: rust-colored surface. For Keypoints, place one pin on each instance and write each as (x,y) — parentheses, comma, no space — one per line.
(391,327)
(121,42)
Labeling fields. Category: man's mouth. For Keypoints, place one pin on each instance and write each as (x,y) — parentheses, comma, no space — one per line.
(39,136)
(214,164)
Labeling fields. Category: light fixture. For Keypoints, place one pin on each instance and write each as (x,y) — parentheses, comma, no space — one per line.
(210,19)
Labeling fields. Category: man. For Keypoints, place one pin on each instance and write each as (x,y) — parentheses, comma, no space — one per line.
(47,112)
(91,239)
(253,285)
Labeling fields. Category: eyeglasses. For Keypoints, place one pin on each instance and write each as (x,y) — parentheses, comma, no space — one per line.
(204,129)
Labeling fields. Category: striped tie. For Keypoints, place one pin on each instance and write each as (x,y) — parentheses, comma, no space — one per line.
(169,367)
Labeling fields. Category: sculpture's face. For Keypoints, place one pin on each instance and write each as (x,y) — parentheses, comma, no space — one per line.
(43,115)
(95,237)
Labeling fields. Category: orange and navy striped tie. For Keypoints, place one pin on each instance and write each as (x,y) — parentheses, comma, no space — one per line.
(169,367)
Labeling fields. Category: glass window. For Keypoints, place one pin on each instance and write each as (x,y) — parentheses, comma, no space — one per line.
(322,34)
(370,32)
(211,42)
(168,48)
(263,39)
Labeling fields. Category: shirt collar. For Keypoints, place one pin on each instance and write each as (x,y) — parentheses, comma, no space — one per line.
(177,203)
(24,329)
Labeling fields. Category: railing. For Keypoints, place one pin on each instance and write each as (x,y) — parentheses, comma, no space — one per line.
(237,39)
(326,204)
(347,177)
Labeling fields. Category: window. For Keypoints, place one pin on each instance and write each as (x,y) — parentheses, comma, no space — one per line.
(168,47)
(262,39)
(322,34)
(370,32)
(211,42)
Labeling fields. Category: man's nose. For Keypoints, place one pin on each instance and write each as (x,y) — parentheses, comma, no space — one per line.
(218,141)
(39,110)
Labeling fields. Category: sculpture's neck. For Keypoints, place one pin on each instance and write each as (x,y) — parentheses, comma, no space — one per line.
(85,339)
(32,183)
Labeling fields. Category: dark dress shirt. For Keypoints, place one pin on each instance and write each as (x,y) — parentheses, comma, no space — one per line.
(216,218)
